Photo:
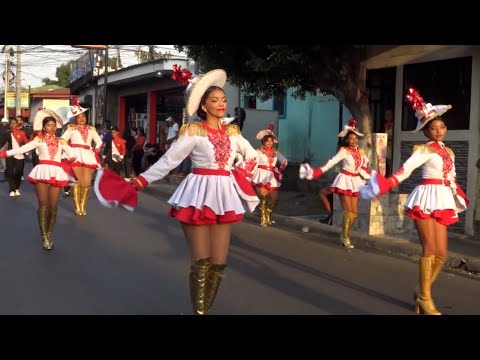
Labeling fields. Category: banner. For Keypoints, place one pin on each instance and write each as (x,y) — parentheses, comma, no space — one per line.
(380,145)
(11,100)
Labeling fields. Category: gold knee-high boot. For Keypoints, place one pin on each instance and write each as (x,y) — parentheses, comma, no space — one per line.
(198,280)
(52,218)
(424,303)
(347,221)
(83,199)
(436,269)
(263,211)
(214,278)
(270,209)
(76,195)
(42,214)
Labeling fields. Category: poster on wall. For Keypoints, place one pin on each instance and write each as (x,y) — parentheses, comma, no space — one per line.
(380,145)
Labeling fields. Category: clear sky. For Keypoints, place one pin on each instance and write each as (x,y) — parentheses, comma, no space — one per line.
(41,61)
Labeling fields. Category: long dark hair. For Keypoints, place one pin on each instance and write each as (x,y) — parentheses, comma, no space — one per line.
(343,141)
(202,114)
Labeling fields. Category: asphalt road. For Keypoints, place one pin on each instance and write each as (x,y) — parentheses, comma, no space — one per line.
(115,262)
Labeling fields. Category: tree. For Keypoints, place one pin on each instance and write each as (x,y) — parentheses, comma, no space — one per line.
(47,81)
(150,54)
(63,74)
(266,70)
(113,63)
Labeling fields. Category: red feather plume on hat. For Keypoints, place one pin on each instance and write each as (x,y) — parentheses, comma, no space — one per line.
(181,75)
(414,97)
(352,122)
(270,127)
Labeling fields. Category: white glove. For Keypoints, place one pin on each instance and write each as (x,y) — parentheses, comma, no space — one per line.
(364,174)
(305,172)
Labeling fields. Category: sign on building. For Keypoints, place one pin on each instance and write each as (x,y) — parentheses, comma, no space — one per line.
(11,100)
(380,145)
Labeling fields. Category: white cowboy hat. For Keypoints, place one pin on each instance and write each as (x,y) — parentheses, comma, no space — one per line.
(424,112)
(350,126)
(5,120)
(267,132)
(199,84)
(75,109)
(42,114)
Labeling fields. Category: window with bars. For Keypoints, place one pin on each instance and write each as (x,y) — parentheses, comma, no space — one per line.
(440,82)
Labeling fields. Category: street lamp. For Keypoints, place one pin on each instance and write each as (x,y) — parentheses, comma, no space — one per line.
(100,47)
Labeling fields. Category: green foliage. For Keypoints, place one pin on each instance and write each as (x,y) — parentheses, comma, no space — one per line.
(266,70)
(112,63)
(45,88)
(47,81)
(63,74)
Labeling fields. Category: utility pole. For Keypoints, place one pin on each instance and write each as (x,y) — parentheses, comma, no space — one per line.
(105,86)
(18,82)
(100,47)
(118,57)
(7,80)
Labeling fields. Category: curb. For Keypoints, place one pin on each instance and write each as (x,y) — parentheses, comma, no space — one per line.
(386,243)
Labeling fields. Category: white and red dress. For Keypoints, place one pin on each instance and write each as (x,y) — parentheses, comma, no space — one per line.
(353,173)
(438,195)
(80,138)
(49,169)
(212,193)
(267,174)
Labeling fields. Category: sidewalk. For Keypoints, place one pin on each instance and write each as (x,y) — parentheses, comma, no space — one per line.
(299,211)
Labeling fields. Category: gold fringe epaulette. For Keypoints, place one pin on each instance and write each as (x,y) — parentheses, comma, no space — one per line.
(192,129)
(427,149)
(72,126)
(91,127)
(233,130)
(423,148)
(361,151)
(62,141)
(38,139)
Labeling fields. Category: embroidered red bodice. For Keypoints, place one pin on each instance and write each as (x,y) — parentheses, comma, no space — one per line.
(447,159)
(83,130)
(270,153)
(52,145)
(356,156)
(221,145)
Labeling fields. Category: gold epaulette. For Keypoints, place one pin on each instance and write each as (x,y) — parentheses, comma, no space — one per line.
(192,129)
(72,126)
(38,139)
(423,148)
(91,127)
(62,141)
(361,151)
(233,129)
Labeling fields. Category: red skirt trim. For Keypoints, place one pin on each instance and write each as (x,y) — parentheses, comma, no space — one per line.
(445,217)
(266,186)
(52,181)
(205,216)
(90,166)
(343,192)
